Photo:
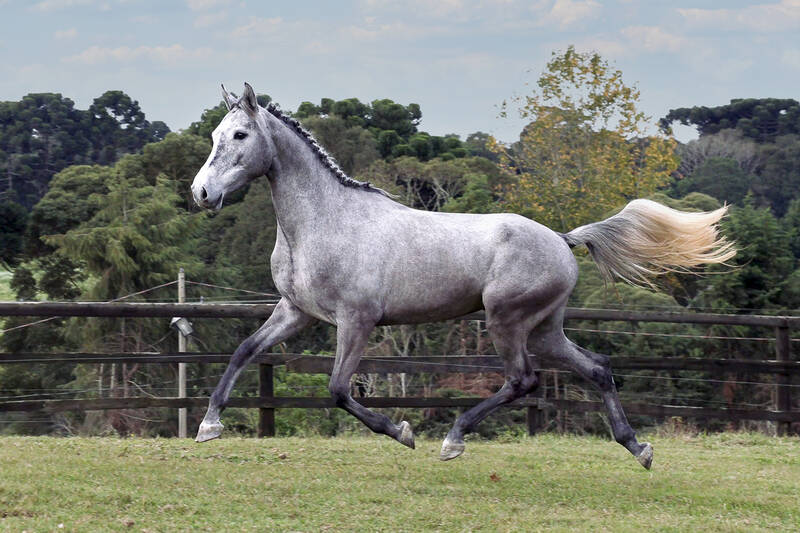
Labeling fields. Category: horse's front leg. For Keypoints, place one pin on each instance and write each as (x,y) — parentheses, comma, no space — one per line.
(351,340)
(285,321)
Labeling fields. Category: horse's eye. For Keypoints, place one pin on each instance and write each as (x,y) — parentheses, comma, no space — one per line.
(239,135)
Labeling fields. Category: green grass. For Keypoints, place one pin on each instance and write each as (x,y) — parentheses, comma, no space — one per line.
(728,482)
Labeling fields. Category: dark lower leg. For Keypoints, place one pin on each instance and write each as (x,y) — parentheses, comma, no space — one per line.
(376,422)
(601,376)
(351,340)
(239,360)
(285,321)
(512,389)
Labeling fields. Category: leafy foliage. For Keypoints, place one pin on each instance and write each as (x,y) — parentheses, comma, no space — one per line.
(44,133)
(762,119)
(13,219)
(584,152)
(719,177)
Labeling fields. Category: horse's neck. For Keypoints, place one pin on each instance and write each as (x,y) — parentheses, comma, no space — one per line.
(307,197)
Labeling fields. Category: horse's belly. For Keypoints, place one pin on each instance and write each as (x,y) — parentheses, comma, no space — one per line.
(412,303)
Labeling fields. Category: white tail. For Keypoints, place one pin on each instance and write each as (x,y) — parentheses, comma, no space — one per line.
(647,239)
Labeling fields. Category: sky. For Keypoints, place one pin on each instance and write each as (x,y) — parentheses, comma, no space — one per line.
(458,59)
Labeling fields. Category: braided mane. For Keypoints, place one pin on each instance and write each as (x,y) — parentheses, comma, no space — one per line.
(323,156)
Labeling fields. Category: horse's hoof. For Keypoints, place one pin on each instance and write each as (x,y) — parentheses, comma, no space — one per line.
(406,435)
(451,449)
(208,431)
(645,456)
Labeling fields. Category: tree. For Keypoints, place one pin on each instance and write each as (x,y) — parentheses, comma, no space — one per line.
(387,140)
(13,218)
(119,126)
(780,174)
(70,201)
(728,144)
(43,133)
(177,157)
(719,177)
(40,135)
(791,224)
(761,119)
(585,151)
(763,264)
(209,120)
(430,185)
(389,115)
(134,241)
(478,197)
(479,144)
(353,147)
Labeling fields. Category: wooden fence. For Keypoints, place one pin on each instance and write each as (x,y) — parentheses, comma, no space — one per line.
(783,368)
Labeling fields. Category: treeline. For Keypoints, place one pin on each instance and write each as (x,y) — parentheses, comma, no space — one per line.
(99,208)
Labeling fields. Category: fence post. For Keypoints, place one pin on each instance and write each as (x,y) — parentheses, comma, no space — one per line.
(783,351)
(266,415)
(181,366)
(535,415)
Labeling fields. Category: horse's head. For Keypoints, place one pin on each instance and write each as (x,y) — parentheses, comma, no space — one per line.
(241,151)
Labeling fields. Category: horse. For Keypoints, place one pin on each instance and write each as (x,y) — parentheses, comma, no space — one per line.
(349,255)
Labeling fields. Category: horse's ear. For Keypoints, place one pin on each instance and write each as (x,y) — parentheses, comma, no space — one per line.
(248,100)
(228,98)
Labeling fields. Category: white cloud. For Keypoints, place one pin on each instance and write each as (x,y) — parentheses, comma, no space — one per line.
(209,19)
(394,31)
(440,8)
(70,33)
(436,7)
(654,39)
(567,12)
(781,16)
(632,41)
(201,5)
(161,54)
(606,47)
(48,6)
(258,26)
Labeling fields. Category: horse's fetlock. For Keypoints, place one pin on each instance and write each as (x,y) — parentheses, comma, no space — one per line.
(603,378)
(625,436)
(522,385)
(530,382)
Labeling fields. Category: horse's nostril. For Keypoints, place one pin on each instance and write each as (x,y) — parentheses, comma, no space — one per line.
(203,193)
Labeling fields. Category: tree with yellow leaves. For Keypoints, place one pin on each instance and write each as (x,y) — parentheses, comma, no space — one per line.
(586,150)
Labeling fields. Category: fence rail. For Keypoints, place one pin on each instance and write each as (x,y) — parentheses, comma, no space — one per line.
(203,310)
(783,368)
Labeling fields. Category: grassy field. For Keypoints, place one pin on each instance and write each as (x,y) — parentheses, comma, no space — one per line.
(728,482)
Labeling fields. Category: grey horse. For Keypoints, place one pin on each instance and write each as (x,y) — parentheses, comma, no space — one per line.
(349,255)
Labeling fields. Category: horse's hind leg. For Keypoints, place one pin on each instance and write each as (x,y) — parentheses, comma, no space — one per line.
(509,337)
(550,342)
(285,321)
(351,340)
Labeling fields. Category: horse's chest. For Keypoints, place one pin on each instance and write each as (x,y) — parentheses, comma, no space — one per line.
(282,267)
(314,286)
